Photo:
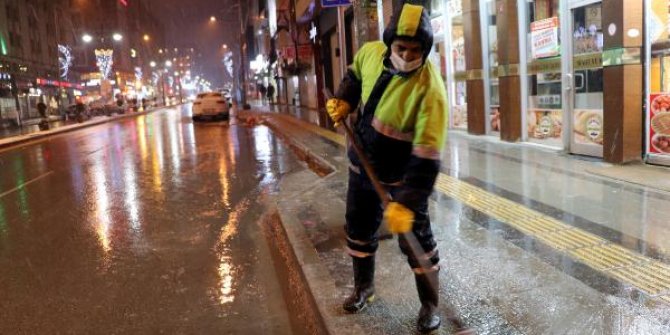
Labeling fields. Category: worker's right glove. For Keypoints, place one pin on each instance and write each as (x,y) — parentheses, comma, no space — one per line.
(338,110)
(399,219)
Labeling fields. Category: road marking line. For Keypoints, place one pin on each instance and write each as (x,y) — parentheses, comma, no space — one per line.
(25,184)
(646,274)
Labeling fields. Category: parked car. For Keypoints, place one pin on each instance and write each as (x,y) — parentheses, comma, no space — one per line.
(210,105)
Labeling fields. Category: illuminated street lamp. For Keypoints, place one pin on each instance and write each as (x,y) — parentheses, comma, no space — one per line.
(212,19)
(87,38)
(146,38)
(168,63)
(152,64)
(117,37)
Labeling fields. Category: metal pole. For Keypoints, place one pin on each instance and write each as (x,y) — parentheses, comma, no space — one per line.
(342,40)
(243,57)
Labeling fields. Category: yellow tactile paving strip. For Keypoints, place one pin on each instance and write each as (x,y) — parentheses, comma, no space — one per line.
(647,275)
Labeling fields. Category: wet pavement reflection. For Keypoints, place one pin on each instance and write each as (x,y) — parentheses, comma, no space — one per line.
(144,225)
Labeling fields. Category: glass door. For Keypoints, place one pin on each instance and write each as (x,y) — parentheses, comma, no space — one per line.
(584,89)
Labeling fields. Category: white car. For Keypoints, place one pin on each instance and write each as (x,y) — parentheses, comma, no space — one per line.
(211,106)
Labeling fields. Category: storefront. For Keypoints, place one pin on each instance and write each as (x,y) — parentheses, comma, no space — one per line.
(658,79)
(564,95)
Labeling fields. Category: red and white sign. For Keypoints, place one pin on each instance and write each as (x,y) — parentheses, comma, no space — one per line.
(287,52)
(305,52)
(544,38)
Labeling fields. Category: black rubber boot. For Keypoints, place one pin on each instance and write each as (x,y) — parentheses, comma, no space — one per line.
(428,285)
(364,287)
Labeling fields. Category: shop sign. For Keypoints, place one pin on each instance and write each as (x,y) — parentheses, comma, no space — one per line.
(287,52)
(622,56)
(659,123)
(56,83)
(461,76)
(594,17)
(588,126)
(588,61)
(549,100)
(551,65)
(544,38)
(304,51)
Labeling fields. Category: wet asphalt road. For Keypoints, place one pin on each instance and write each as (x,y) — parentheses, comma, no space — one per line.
(145,225)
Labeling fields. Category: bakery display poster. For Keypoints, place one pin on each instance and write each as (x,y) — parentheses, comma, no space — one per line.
(588,126)
(545,123)
(659,123)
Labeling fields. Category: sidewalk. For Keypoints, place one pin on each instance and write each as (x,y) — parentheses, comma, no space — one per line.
(531,242)
(17,135)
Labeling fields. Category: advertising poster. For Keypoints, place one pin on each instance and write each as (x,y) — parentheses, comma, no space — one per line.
(658,20)
(545,123)
(659,123)
(544,38)
(588,126)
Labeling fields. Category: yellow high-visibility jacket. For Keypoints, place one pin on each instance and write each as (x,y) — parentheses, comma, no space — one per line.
(401,126)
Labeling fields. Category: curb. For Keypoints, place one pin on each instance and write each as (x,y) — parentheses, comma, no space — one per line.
(312,286)
(22,139)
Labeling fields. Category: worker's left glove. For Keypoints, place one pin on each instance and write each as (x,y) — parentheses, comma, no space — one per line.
(399,219)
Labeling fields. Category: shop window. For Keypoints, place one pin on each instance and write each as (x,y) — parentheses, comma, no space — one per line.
(492,40)
(544,119)
(458,88)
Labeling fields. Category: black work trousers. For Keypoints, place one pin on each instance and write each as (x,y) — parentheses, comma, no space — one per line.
(364,215)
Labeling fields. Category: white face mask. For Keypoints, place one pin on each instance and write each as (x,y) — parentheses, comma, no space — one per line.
(404,66)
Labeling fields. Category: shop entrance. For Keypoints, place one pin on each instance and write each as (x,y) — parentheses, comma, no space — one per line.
(584,79)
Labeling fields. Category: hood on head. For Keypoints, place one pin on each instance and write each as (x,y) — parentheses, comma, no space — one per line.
(411,21)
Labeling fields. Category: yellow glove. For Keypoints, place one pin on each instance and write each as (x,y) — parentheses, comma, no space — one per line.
(338,110)
(399,219)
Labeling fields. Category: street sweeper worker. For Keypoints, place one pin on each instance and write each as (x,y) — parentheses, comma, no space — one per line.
(401,126)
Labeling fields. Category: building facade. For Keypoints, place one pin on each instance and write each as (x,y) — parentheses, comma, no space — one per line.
(47,52)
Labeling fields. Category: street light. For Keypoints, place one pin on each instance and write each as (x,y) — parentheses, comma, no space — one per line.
(212,18)
(87,38)
(152,64)
(146,38)
(117,37)
(168,63)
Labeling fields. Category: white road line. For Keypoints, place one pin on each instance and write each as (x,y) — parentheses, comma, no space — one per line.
(25,184)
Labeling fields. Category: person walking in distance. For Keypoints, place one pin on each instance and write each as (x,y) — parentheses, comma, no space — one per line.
(401,127)
(271,94)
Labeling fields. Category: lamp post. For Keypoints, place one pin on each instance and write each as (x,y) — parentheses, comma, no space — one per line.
(104,57)
(241,78)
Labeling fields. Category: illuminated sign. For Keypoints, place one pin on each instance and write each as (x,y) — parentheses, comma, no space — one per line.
(51,82)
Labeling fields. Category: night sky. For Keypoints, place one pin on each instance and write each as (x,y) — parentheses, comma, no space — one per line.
(187,26)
